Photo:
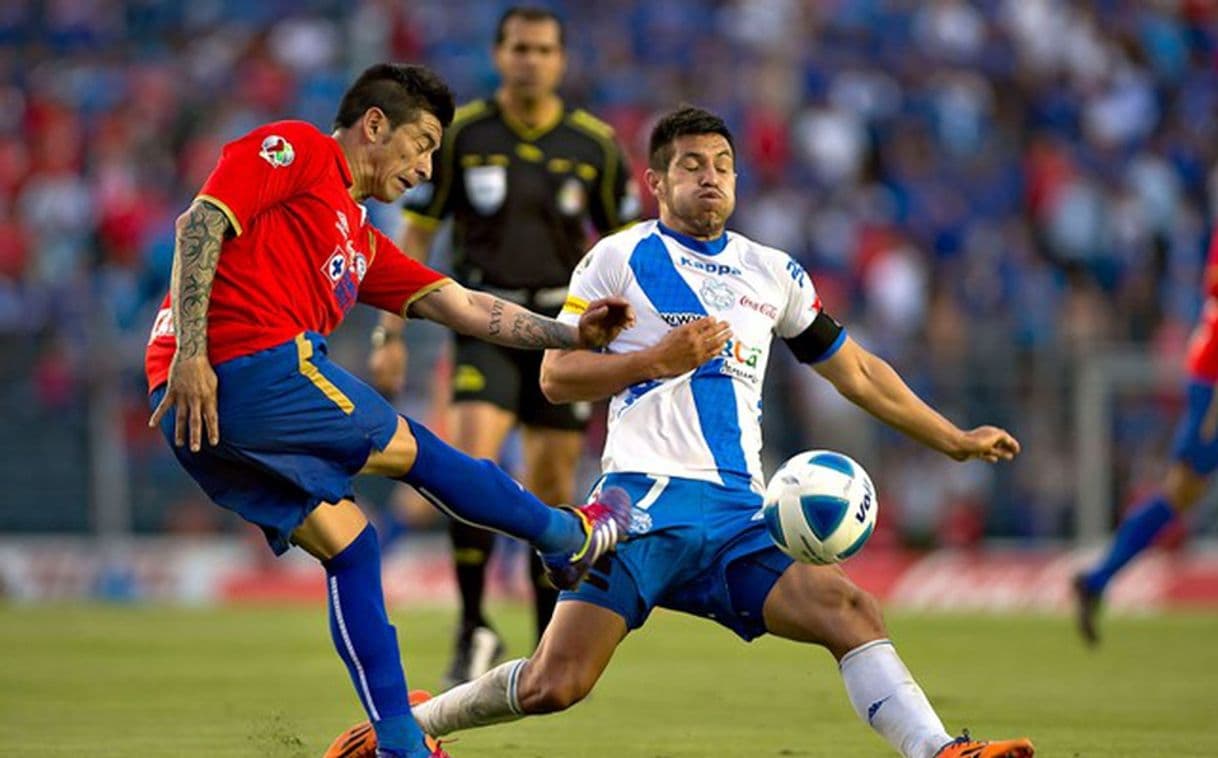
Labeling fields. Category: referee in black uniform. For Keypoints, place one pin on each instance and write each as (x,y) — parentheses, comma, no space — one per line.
(525,180)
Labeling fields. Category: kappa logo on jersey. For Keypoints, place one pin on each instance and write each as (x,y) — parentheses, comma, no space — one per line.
(277,151)
(718,269)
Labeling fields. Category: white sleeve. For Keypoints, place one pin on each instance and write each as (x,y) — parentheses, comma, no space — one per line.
(599,274)
(802,303)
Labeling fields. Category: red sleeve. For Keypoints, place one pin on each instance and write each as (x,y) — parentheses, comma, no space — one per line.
(265,167)
(394,279)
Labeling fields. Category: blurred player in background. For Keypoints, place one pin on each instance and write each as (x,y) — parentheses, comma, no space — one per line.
(274,251)
(1194,457)
(523,178)
(685,442)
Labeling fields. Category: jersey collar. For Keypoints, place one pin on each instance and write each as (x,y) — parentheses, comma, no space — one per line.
(706,247)
(525,132)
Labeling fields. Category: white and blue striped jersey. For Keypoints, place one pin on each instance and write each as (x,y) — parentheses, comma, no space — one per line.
(705,424)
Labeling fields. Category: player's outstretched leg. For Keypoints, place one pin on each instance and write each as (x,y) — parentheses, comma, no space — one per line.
(819,604)
(479,492)
(574,651)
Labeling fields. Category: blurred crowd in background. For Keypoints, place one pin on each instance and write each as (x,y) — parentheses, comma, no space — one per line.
(987,193)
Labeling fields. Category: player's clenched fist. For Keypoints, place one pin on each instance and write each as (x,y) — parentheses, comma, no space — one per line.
(690,345)
(989,443)
(604,320)
(191,392)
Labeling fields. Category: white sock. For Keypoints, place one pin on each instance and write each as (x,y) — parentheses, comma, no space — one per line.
(885,695)
(489,699)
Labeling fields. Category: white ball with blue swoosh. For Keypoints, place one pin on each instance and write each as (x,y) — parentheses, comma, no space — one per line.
(820,507)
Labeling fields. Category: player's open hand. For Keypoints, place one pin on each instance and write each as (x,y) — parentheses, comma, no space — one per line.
(387,365)
(604,320)
(191,392)
(989,443)
(689,346)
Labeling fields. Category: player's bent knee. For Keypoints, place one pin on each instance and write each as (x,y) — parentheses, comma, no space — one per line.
(398,457)
(556,694)
(549,687)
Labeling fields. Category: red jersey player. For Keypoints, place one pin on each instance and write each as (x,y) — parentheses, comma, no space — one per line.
(268,259)
(1194,458)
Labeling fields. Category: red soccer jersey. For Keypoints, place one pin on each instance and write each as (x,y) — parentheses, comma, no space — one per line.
(303,254)
(1203,344)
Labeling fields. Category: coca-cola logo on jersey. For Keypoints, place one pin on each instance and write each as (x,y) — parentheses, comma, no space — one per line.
(765,309)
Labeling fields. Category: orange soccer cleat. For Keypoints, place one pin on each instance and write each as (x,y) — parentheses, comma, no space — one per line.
(967,747)
(359,741)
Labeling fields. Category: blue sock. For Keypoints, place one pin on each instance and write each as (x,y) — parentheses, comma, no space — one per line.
(368,644)
(480,493)
(1136,532)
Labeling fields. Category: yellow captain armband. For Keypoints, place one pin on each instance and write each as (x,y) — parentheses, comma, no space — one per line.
(576,305)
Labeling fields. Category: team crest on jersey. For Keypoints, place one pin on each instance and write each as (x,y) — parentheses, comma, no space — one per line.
(486,187)
(336,266)
(572,197)
(717,295)
(277,151)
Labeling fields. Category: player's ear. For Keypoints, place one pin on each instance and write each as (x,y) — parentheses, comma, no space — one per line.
(375,124)
(653,179)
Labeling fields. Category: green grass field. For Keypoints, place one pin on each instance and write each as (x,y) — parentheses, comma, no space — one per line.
(113,681)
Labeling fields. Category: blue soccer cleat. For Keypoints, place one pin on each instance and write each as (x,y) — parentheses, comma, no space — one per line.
(605,521)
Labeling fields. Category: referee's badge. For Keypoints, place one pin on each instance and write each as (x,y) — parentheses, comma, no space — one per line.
(572,197)
(486,187)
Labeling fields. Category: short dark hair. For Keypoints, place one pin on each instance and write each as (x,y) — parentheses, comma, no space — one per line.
(682,122)
(401,90)
(529,13)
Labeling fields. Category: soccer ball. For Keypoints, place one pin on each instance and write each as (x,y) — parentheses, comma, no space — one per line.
(820,507)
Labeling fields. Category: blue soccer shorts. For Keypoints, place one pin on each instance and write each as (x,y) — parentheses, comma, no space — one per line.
(295,428)
(696,547)
(1196,441)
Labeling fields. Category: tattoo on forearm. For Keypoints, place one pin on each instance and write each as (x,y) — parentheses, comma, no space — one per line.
(496,324)
(196,254)
(531,330)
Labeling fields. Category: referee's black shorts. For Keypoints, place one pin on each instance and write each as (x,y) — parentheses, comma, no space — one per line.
(509,378)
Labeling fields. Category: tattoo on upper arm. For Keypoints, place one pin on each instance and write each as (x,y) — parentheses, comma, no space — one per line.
(532,330)
(496,324)
(196,254)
